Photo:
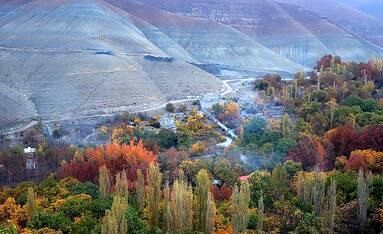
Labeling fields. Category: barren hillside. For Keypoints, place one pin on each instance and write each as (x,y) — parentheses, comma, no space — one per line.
(68,58)
(295,33)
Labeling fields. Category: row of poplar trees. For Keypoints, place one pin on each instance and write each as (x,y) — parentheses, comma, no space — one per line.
(311,192)
(172,208)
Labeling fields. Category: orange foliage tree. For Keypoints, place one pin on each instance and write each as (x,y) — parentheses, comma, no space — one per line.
(365,159)
(12,213)
(230,114)
(85,165)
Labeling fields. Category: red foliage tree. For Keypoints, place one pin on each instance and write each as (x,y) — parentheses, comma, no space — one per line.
(309,152)
(344,139)
(330,159)
(169,162)
(364,70)
(355,162)
(221,193)
(325,61)
(371,138)
(116,157)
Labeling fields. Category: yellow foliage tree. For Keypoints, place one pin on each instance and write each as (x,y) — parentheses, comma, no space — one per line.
(31,206)
(179,210)
(153,194)
(11,212)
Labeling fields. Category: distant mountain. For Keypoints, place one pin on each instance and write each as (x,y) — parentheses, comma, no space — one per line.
(296,33)
(352,20)
(208,42)
(371,7)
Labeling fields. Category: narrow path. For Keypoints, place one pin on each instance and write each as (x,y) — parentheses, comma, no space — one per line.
(228,90)
(21,129)
(225,144)
(111,115)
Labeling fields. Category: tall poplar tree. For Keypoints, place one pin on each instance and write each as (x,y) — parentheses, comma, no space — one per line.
(331,204)
(286,125)
(31,205)
(240,202)
(114,221)
(104,181)
(109,223)
(140,189)
(203,200)
(122,185)
(362,200)
(210,214)
(260,214)
(153,194)
(179,210)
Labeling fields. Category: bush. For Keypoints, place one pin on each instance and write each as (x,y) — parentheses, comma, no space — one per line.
(86,225)
(86,188)
(167,139)
(56,221)
(170,108)
(98,206)
(135,224)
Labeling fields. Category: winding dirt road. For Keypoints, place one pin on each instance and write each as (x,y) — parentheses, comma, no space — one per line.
(228,90)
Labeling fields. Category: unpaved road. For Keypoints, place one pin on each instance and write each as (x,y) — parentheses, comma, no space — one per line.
(21,129)
(227,90)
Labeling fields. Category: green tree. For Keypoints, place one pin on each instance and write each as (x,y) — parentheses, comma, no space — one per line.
(332,107)
(153,194)
(114,221)
(240,200)
(179,210)
(202,196)
(135,224)
(86,188)
(109,223)
(318,193)
(104,181)
(56,221)
(140,190)
(260,214)
(279,180)
(286,125)
(122,185)
(86,225)
(331,204)
(223,170)
(309,224)
(363,194)
(210,214)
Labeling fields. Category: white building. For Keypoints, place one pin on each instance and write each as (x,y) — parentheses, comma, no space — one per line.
(31,160)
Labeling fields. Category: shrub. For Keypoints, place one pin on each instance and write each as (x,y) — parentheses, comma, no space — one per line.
(170,108)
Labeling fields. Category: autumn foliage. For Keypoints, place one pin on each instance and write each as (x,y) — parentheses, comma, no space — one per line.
(367,160)
(310,152)
(221,193)
(85,165)
(344,139)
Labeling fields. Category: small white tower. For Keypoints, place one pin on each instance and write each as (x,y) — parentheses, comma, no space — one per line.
(31,160)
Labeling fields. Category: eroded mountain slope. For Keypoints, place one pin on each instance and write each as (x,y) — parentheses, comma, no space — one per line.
(296,34)
(208,42)
(70,58)
(350,19)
